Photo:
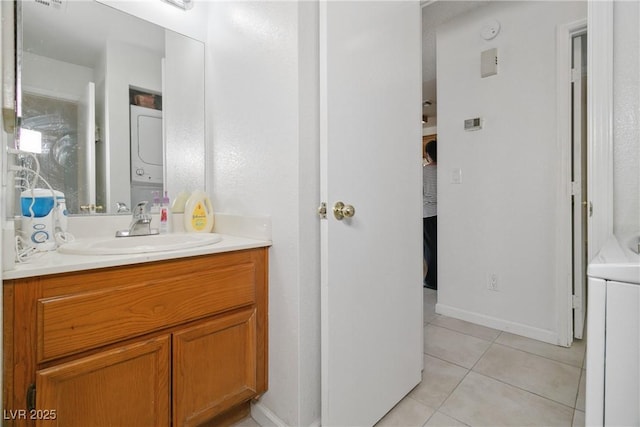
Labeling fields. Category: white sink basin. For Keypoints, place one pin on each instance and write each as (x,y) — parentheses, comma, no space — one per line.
(139,244)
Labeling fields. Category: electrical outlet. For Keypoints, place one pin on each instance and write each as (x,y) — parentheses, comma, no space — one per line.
(492,281)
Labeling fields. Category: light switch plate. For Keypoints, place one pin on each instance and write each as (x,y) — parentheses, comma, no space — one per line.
(489,62)
(456,176)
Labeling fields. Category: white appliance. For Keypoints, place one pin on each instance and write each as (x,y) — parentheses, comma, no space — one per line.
(146,146)
(44,217)
(613,327)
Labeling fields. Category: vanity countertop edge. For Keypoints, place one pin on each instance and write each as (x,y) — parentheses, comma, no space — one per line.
(56,263)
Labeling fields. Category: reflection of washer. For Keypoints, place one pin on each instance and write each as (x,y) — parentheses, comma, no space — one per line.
(146,145)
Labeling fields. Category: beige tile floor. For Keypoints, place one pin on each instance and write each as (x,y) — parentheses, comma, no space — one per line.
(477,376)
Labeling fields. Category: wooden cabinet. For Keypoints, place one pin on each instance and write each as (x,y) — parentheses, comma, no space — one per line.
(180,342)
(127,385)
(214,367)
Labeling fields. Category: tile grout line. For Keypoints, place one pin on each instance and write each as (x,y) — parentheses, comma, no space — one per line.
(492,342)
(449,395)
(466,333)
(504,344)
(521,388)
(525,390)
(539,355)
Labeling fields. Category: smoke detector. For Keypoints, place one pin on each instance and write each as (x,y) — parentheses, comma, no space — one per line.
(490,30)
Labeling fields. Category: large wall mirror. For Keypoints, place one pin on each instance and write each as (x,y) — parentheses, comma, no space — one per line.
(112,105)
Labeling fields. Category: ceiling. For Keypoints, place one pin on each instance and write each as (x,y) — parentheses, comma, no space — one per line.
(56,19)
(50,28)
(434,14)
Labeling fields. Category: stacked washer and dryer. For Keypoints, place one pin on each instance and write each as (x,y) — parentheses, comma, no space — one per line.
(146,153)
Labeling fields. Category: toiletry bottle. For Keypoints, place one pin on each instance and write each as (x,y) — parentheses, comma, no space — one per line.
(179,202)
(155,207)
(198,213)
(164,214)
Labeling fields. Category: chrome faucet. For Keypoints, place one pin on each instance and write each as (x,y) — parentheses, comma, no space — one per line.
(140,223)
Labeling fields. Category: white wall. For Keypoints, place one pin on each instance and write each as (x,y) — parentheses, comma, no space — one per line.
(502,218)
(262,109)
(626,118)
(51,77)
(191,23)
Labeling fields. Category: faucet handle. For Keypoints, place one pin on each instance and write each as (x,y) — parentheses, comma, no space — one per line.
(121,207)
(141,209)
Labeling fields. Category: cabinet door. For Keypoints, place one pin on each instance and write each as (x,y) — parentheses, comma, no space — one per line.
(214,367)
(622,369)
(126,386)
(597,310)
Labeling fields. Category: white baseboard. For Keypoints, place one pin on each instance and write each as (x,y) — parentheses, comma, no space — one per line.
(263,416)
(500,324)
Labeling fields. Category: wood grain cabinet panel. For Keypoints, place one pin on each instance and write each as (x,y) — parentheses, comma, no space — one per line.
(180,342)
(126,386)
(214,367)
(84,320)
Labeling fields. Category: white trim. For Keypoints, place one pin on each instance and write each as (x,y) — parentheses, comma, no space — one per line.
(544,335)
(425,3)
(39,91)
(564,312)
(595,357)
(600,127)
(263,416)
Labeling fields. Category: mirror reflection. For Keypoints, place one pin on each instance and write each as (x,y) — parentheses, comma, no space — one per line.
(94,87)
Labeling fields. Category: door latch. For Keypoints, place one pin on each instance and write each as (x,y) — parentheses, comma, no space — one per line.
(322,210)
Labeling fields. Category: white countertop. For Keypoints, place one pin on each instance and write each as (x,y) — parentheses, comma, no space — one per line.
(55,262)
(238,232)
(617,260)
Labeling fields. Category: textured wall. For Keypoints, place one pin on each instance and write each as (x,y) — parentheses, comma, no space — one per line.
(263,161)
(502,218)
(626,118)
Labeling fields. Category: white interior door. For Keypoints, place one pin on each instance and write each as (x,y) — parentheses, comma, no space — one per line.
(579,189)
(370,131)
(87,147)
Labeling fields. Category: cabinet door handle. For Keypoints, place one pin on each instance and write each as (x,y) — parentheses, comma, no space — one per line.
(31,397)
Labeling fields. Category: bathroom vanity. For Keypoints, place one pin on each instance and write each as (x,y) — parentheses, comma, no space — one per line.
(156,342)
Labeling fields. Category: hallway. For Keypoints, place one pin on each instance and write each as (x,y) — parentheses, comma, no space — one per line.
(478,376)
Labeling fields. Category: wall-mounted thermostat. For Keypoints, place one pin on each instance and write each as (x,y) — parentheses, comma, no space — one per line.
(473,124)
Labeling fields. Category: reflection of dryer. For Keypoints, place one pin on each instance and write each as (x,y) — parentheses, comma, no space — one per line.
(146,145)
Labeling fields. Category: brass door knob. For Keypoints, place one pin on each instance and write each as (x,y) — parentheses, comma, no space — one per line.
(340,211)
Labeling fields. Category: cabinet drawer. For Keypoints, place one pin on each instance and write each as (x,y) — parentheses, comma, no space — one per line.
(72,323)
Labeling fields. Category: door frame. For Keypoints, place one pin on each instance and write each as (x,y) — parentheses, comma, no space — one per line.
(579,184)
(564,240)
(599,25)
